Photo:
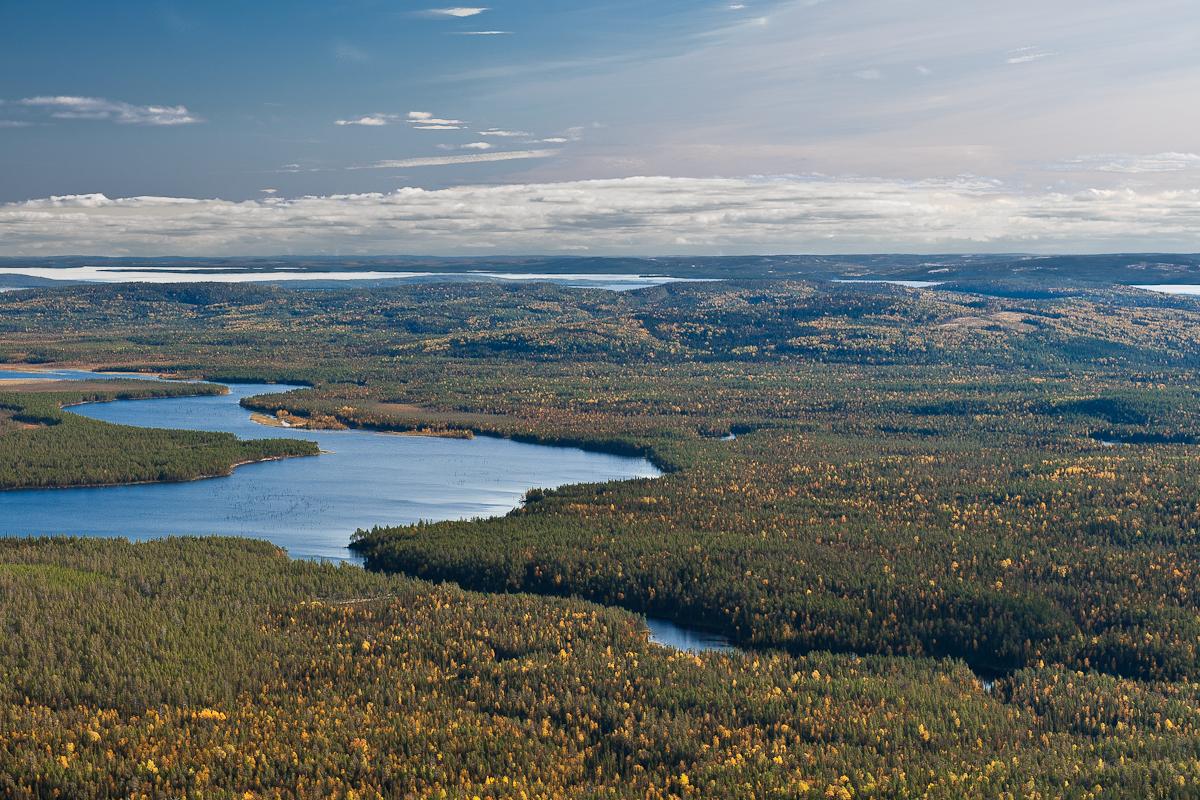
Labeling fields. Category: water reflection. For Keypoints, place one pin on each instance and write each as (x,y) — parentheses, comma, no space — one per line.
(669,634)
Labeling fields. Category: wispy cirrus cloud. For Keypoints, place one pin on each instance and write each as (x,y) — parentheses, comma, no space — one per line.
(482,33)
(1131,164)
(99,108)
(473,158)
(345,51)
(627,215)
(1027,55)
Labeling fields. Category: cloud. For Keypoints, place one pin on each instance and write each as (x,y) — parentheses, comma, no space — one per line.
(14,123)
(456,12)
(370,120)
(98,108)
(471,146)
(630,215)
(1132,164)
(1026,55)
(426,121)
(419,120)
(503,133)
(482,33)
(476,158)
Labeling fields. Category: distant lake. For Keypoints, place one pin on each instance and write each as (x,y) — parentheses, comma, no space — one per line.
(1170,288)
(191,274)
(908,284)
(310,506)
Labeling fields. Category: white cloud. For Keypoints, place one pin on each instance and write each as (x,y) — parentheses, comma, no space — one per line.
(426,121)
(14,123)
(476,158)
(629,215)
(1133,164)
(471,146)
(503,133)
(419,120)
(456,12)
(98,108)
(370,120)
(482,33)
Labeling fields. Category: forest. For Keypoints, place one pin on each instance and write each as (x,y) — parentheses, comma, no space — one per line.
(926,491)
(246,674)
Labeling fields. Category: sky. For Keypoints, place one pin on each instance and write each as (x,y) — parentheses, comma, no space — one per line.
(161,127)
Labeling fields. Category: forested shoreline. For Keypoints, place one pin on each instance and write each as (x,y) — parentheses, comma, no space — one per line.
(47,447)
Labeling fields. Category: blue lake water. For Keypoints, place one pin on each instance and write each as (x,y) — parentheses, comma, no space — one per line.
(678,637)
(310,506)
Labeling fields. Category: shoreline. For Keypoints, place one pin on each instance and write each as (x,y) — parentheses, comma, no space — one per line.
(225,474)
(611,448)
(230,471)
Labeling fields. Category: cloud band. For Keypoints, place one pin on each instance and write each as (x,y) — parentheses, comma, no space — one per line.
(631,215)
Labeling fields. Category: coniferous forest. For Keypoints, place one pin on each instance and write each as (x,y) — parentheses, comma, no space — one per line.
(953,533)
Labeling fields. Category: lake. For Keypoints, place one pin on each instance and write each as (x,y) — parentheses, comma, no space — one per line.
(170,274)
(669,634)
(310,506)
(1170,288)
(905,284)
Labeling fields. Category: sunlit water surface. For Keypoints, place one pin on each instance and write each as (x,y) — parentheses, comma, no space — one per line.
(310,506)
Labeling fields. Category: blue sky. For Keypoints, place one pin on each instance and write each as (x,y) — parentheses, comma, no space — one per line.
(267,81)
(804,126)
